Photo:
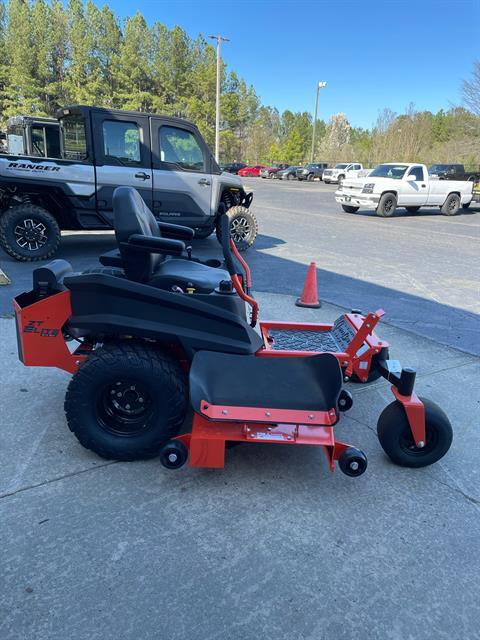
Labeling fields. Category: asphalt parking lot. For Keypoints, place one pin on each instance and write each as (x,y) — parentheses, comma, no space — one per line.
(273,546)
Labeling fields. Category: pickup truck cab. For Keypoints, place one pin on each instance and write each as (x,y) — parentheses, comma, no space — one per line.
(166,159)
(403,184)
(312,171)
(452,172)
(341,171)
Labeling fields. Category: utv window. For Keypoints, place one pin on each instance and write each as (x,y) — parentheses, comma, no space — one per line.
(121,140)
(38,142)
(180,147)
(52,137)
(74,138)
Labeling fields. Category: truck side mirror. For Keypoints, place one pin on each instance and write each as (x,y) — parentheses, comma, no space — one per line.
(412,177)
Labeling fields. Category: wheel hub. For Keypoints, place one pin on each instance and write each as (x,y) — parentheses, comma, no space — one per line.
(239,229)
(30,234)
(124,407)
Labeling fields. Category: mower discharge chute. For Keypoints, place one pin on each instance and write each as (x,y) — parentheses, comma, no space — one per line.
(155,330)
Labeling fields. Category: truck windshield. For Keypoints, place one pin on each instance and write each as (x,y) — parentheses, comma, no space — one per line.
(74,137)
(438,167)
(341,165)
(394,171)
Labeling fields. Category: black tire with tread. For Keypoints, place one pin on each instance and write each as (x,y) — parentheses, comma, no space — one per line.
(349,209)
(451,205)
(393,429)
(381,210)
(11,217)
(239,210)
(160,373)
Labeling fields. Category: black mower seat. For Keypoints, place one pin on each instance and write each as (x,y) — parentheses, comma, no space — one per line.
(305,383)
(132,217)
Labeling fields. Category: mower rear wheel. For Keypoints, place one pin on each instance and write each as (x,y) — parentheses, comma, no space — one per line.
(126,400)
(397,441)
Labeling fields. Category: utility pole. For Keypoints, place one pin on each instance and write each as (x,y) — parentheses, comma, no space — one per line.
(219,40)
(320,85)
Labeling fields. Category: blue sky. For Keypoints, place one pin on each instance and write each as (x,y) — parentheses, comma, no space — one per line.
(372,53)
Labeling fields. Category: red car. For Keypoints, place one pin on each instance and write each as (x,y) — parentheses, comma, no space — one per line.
(250,172)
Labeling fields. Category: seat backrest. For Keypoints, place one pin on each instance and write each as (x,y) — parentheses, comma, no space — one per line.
(131,215)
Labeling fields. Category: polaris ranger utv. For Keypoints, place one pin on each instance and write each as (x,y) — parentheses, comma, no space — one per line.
(166,159)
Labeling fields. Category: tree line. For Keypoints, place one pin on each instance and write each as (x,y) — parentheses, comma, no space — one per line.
(53,54)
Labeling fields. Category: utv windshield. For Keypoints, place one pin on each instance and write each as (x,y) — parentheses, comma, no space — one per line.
(394,171)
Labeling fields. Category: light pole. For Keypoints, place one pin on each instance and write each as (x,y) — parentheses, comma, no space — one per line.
(219,40)
(320,85)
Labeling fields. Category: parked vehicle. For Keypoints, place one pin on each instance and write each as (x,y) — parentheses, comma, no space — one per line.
(250,172)
(233,167)
(341,171)
(452,172)
(270,172)
(36,137)
(312,171)
(403,184)
(164,158)
(290,173)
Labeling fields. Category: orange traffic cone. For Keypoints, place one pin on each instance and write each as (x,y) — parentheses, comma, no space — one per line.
(309,297)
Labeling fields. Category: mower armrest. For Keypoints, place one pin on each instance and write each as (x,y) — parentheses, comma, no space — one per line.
(149,244)
(176,231)
(111,259)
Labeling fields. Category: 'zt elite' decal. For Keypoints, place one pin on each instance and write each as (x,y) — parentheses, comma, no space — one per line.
(35,326)
(25,166)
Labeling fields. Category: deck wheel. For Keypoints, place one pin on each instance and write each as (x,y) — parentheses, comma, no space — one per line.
(345,401)
(352,462)
(173,454)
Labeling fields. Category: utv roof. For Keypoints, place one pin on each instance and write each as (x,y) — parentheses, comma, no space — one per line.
(21,120)
(84,110)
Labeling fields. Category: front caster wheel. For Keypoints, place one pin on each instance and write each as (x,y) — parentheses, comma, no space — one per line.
(396,438)
(345,401)
(352,462)
(173,454)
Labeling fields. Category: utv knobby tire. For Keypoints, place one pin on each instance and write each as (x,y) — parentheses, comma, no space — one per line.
(387,205)
(451,205)
(159,383)
(20,217)
(243,239)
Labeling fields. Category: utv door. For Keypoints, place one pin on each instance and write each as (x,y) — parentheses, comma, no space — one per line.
(122,157)
(182,180)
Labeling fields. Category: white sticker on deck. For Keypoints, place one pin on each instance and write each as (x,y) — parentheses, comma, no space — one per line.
(269,436)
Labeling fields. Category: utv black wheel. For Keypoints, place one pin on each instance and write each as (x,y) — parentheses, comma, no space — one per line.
(173,454)
(204,232)
(387,205)
(29,233)
(396,438)
(412,209)
(349,209)
(126,400)
(451,205)
(243,227)
(353,462)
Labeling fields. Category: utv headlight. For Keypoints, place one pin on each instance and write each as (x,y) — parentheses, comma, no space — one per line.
(369,187)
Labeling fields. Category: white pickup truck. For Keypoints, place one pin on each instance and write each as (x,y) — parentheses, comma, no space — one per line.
(341,171)
(403,184)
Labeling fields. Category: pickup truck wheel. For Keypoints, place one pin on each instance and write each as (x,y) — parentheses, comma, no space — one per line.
(451,205)
(310,177)
(412,209)
(387,205)
(340,179)
(243,227)
(349,209)
(289,176)
(29,233)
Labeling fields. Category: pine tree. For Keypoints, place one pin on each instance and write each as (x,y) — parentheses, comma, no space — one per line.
(4,63)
